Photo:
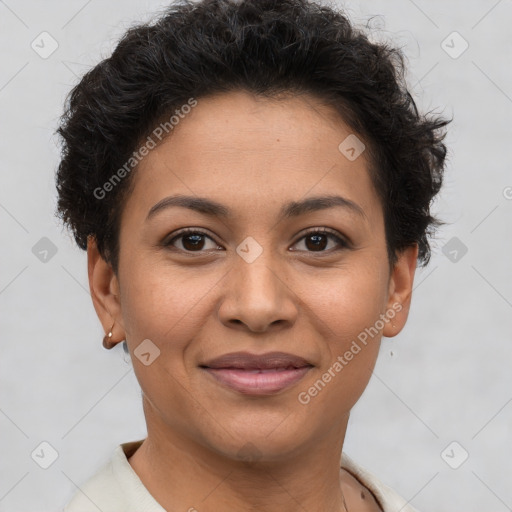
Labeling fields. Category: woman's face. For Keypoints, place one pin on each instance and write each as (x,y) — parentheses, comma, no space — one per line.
(253,277)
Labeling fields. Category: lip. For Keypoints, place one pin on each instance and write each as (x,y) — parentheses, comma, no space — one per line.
(257,374)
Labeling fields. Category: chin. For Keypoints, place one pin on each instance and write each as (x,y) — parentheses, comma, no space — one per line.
(263,438)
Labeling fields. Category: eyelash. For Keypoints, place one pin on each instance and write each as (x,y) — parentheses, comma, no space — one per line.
(324,231)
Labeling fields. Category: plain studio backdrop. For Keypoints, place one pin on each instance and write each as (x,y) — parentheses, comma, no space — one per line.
(435,422)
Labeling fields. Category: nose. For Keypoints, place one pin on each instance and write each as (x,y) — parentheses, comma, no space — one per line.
(257,297)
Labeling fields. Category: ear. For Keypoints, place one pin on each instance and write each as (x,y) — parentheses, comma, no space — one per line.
(104,287)
(400,291)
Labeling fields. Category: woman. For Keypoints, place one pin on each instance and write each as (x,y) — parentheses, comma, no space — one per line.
(252,183)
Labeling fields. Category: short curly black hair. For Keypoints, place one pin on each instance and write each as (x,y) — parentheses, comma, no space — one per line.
(266,47)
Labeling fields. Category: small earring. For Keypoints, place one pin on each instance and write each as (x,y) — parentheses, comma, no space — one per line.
(107,339)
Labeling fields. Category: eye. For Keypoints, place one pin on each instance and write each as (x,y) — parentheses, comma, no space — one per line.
(191,240)
(317,240)
(195,240)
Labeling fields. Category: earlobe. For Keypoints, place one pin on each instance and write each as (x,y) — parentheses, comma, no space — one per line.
(104,288)
(400,291)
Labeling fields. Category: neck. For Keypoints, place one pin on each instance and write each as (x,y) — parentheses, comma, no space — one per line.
(181,474)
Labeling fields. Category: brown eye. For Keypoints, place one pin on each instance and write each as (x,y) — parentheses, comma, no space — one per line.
(318,241)
(191,241)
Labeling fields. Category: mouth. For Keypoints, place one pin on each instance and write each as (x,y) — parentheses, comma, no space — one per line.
(253,374)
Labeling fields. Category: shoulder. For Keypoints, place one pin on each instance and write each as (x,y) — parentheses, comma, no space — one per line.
(101,492)
(380,495)
(114,487)
(356,495)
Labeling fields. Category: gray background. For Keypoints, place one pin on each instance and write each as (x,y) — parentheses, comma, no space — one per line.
(445,378)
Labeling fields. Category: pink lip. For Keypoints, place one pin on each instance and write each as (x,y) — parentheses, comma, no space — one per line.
(258,382)
(258,374)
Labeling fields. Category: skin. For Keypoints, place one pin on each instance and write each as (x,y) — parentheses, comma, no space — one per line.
(253,155)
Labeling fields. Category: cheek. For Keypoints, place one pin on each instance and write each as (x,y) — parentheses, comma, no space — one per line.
(167,308)
(163,305)
(350,302)
(347,315)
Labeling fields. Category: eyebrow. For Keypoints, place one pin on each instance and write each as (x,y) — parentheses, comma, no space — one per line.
(289,210)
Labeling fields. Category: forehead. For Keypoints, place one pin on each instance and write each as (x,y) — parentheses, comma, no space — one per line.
(240,121)
(249,151)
